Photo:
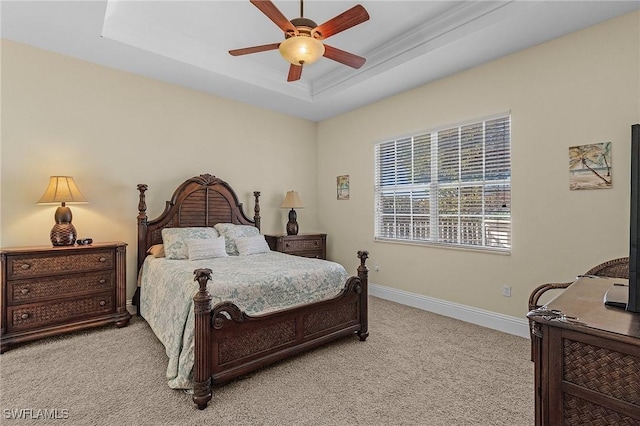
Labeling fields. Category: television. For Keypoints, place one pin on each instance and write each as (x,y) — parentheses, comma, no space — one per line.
(633,303)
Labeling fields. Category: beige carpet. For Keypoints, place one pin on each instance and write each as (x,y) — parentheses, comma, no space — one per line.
(416,368)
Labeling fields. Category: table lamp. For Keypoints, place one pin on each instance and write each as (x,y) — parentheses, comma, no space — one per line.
(292,201)
(62,189)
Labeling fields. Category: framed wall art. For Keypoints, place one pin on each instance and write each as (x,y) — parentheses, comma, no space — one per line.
(342,187)
(590,166)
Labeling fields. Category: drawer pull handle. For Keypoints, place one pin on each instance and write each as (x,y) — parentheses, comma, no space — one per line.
(24,316)
(316,243)
(25,266)
(24,291)
(102,303)
(103,259)
(102,281)
(286,245)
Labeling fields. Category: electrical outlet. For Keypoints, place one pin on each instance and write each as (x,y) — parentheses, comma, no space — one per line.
(506,290)
(376,266)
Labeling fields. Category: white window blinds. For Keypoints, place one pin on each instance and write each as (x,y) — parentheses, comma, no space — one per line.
(449,186)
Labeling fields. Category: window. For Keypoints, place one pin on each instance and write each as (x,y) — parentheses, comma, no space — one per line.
(449,186)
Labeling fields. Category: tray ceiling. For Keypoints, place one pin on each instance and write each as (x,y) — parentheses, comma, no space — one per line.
(406,43)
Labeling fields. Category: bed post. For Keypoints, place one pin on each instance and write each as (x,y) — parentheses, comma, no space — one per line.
(202,310)
(142,232)
(363,274)
(256,209)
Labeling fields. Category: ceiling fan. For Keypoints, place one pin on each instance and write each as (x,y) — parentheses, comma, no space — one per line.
(302,44)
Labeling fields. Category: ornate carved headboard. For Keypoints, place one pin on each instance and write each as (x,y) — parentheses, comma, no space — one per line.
(199,201)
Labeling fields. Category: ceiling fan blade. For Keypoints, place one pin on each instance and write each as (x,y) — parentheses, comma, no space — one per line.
(274,14)
(254,49)
(295,71)
(352,17)
(343,57)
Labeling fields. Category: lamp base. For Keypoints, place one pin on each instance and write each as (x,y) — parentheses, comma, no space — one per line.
(292,225)
(63,234)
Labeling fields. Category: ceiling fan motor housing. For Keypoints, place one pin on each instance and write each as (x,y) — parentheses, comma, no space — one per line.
(304,27)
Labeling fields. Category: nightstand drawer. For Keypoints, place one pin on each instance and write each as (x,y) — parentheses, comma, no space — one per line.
(34,316)
(317,254)
(310,244)
(306,245)
(24,266)
(37,289)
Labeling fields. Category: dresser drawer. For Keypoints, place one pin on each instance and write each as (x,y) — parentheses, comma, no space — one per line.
(308,244)
(33,316)
(24,266)
(38,289)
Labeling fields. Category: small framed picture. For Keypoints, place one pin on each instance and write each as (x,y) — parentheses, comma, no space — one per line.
(343,187)
(590,166)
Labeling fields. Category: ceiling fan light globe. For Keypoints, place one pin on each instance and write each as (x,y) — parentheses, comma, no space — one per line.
(299,50)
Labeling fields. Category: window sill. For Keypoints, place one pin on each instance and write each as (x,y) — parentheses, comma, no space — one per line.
(486,250)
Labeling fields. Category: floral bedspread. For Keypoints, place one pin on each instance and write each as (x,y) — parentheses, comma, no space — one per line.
(257,284)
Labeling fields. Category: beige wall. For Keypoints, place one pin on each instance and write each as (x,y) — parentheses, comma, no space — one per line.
(65,116)
(111,130)
(580,89)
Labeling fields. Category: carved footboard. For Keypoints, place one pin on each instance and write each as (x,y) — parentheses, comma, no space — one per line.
(229,343)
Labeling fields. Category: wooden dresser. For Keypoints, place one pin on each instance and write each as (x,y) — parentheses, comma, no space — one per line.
(587,358)
(306,245)
(53,290)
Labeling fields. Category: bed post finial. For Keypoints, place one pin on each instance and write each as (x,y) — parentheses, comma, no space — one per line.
(363,274)
(256,209)
(363,255)
(202,311)
(142,204)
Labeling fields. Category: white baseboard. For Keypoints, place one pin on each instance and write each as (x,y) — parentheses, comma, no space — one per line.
(493,320)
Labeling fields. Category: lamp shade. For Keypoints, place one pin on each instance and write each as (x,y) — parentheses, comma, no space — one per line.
(292,201)
(62,189)
(301,49)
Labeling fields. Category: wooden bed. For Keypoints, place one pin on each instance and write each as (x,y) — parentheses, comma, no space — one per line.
(228,342)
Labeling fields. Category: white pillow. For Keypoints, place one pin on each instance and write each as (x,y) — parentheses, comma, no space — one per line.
(252,245)
(206,249)
(174,240)
(231,231)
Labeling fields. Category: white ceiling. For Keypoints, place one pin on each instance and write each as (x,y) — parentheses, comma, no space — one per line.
(406,43)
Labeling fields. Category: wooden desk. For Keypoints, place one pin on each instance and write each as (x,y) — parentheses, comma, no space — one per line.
(587,362)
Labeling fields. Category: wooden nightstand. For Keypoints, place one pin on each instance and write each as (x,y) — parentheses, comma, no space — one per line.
(54,290)
(306,245)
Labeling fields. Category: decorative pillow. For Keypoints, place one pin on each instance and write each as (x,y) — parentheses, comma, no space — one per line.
(252,245)
(232,231)
(156,250)
(206,249)
(174,240)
